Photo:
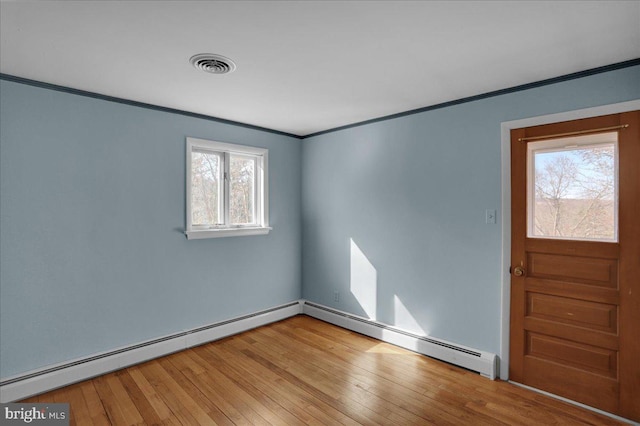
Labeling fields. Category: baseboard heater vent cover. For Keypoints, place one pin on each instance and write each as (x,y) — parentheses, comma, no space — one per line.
(55,376)
(485,363)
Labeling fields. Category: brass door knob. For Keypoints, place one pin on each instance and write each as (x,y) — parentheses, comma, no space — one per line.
(518,271)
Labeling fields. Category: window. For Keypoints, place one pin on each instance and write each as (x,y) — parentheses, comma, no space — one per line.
(573,188)
(226,190)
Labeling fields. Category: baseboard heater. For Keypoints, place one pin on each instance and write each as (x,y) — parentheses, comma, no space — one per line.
(55,376)
(482,362)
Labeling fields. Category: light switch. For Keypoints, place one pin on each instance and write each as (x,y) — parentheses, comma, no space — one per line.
(490,216)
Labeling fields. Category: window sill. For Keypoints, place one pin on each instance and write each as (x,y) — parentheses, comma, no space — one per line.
(227,232)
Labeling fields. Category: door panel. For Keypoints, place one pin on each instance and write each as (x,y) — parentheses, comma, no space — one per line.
(570,332)
(592,358)
(586,270)
(575,303)
(596,316)
(577,384)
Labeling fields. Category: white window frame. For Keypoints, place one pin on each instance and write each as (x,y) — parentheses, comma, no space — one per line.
(261,185)
(568,144)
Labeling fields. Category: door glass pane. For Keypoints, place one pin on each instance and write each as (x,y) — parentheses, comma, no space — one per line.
(572,188)
(242,189)
(206,189)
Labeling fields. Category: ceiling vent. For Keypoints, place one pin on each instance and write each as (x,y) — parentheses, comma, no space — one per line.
(214,64)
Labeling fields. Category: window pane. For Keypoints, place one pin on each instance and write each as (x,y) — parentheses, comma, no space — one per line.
(242,189)
(206,189)
(574,189)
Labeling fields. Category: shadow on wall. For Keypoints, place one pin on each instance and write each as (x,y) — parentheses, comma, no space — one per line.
(364,287)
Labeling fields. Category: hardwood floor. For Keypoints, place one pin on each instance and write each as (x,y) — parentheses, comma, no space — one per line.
(304,371)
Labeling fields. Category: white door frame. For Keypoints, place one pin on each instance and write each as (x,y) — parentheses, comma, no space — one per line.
(506,203)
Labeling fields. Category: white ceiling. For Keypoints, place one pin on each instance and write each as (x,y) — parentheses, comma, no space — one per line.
(309,66)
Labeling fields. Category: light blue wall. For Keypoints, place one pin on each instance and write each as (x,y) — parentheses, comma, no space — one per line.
(411,193)
(92,254)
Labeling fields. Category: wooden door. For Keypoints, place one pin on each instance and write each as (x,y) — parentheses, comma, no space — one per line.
(575,301)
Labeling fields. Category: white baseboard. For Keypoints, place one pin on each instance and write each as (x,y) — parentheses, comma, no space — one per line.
(484,363)
(55,376)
